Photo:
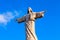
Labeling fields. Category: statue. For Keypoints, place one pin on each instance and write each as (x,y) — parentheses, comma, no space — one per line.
(30,24)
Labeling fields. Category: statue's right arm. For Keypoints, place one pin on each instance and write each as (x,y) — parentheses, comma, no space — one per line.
(21,19)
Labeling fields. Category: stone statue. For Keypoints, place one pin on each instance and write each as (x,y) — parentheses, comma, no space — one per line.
(30,24)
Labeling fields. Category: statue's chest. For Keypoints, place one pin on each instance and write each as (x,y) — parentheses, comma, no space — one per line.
(30,17)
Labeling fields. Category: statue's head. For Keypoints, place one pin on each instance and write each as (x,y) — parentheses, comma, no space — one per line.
(29,10)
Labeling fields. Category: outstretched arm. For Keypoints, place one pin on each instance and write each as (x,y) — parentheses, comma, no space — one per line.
(40,14)
(21,19)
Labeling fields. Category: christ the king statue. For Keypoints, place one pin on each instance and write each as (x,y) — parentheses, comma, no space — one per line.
(30,24)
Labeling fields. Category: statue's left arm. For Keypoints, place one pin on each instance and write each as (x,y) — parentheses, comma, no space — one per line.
(39,14)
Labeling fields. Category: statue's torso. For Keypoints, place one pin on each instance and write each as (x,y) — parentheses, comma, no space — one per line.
(30,27)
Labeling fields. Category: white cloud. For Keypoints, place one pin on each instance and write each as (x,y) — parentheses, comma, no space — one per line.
(3,20)
(7,17)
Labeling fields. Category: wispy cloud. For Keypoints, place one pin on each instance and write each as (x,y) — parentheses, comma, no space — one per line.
(7,17)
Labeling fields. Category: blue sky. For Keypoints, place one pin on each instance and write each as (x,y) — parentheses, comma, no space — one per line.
(47,28)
